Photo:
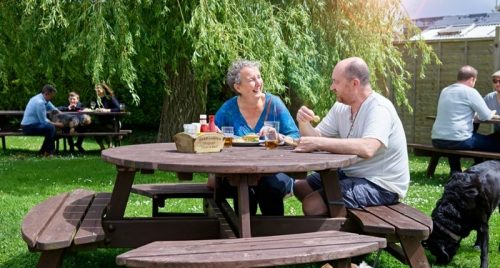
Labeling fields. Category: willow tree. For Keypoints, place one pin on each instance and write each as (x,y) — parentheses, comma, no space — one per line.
(167,51)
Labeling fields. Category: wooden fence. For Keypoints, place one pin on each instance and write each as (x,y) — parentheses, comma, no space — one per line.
(483,54)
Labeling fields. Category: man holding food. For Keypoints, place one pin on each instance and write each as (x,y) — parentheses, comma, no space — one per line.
(361,122)
(246,113)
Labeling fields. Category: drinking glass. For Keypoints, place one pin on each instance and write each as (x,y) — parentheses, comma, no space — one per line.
(92,105)
(271,134)
(228,136)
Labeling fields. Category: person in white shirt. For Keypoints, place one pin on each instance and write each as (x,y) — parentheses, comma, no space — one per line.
(364,123)
(492,99)
(453,129)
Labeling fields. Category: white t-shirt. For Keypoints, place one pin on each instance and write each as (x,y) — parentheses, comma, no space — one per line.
(377,118)
(491,102)
(455,112)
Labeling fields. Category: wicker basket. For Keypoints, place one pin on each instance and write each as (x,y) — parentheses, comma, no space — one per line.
(209,142)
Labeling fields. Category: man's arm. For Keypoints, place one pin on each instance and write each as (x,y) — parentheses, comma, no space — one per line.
(363,147)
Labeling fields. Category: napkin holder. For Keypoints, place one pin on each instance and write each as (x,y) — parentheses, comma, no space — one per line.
(209,142)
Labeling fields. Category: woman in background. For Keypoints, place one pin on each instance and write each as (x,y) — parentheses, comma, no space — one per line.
(106,102)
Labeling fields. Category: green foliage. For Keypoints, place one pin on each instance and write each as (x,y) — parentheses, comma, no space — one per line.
(140,47)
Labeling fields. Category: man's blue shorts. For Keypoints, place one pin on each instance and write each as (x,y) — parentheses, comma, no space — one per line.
(357,192)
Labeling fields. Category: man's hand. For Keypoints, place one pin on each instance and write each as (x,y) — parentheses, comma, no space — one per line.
(58,124)
(306,115)
(307,145)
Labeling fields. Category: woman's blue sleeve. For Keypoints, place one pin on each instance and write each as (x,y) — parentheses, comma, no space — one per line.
(287,124)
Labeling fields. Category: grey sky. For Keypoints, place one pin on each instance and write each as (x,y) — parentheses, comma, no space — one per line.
(435,8)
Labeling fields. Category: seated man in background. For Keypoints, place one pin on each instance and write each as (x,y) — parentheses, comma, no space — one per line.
(364,123)
(492,99)
(457,106)
(35,121)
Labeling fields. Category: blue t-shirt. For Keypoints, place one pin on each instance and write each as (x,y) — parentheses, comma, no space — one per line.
(229,115)
(36,111)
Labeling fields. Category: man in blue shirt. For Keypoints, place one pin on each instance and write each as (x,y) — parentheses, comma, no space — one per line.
(35,121)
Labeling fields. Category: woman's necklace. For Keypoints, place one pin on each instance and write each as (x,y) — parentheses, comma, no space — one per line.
(353,117)
(353,120)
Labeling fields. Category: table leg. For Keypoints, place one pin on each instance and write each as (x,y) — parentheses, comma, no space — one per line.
(121,192)
(244,206)
(331,186)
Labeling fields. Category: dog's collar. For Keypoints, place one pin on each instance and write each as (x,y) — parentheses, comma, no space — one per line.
(453,236)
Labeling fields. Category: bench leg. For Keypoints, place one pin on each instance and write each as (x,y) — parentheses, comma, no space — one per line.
(51,258)
(431,168)
(414,252)
(342,263)
(3,144)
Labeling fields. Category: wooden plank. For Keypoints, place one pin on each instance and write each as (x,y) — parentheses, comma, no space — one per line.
(60,230)
(91,230)
(281,225)
(413,213)
(370,223)
(38,217)
(404,225)
(93,134)
(253,252)
(427,149)
(173,190)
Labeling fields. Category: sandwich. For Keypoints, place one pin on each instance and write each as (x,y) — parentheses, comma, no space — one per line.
(252,137)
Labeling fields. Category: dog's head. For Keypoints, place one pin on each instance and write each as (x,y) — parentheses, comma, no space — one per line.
(52,115)
(441,245)
(85,120)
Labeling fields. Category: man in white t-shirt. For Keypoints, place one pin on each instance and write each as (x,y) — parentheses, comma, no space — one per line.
(364,123)
(453,128)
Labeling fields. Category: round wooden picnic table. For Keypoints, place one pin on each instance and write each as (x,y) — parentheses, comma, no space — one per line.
(241,165)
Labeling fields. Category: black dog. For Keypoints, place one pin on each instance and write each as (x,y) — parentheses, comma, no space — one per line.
(467,203)
(70,121)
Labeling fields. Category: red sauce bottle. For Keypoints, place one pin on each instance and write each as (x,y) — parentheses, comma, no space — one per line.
(211,123)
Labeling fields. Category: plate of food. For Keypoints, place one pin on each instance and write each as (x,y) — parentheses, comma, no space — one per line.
(247,140)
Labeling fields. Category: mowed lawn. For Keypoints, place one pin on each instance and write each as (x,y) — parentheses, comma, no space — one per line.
(26,180)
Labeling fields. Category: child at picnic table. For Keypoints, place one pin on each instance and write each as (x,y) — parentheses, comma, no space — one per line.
(246,113)
(74,105)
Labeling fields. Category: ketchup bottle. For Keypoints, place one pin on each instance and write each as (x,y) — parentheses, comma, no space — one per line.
(203,123)
(211,123)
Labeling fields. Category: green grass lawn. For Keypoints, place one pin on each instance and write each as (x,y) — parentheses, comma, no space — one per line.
(26,180)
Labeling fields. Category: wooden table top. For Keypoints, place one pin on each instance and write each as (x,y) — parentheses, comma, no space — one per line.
(233,160)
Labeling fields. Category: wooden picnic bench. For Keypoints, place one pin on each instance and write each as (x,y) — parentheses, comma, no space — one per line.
(160,192)
(8,128)
(325,246)
(64,136)
(435,153)
(403,226)
(66,221)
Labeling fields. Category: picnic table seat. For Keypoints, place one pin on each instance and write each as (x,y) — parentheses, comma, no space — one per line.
(162,191)
(403,226)
(323,246)
(435,153)
(68,220)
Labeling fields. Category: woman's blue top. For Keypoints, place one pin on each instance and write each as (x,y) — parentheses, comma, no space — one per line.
(229,115)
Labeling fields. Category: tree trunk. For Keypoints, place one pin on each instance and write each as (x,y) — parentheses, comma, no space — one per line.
(183,102)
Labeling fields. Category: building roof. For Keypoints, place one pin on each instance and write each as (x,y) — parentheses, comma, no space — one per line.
(474,26)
